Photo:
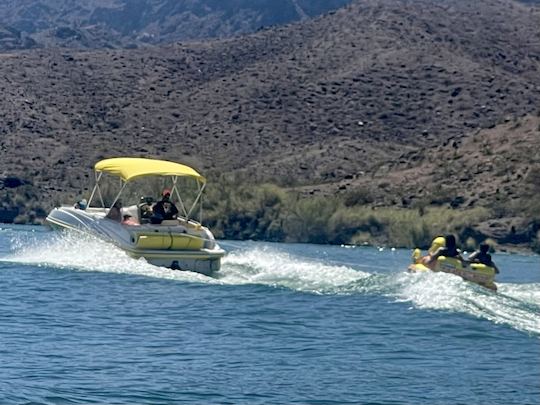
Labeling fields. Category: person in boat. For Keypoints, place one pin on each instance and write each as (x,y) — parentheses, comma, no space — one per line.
(164,209)
(115,212)
(482,256)
(81,205)
(129,220)
(145,209)
(448,250)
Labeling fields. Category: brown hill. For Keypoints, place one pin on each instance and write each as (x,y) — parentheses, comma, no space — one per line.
(400,101)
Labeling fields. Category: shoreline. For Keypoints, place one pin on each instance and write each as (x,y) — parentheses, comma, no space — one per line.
(521,249)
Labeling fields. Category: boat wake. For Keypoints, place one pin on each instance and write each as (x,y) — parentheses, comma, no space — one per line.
(273,268)
(78,251)
(516,305)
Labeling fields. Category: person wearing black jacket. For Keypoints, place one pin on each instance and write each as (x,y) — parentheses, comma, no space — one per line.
(482,256)
(164,209)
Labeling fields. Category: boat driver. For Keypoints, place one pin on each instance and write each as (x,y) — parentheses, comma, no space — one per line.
(145,209)
(164,209)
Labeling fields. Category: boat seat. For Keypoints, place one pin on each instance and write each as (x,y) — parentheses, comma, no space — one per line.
(170,222)
(166,241)
(131,210)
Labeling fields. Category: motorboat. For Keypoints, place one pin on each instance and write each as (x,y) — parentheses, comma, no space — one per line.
(180,242)
(478,273)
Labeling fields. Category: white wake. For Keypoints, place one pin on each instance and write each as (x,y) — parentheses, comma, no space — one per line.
(516,305)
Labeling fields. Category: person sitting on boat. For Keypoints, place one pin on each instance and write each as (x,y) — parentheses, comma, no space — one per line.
(115,212)
(482,256)
(164,209)
(129,220)
(145,209)
(448,250)
(436,244)
(81,205)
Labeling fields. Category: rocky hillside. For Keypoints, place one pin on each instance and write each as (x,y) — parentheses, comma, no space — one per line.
(396,102)
(132,23)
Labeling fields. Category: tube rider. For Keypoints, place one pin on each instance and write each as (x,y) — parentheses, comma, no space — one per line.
(447,249)
(482,256)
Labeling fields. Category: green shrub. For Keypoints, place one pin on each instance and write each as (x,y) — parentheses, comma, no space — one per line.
(234,208)
(268,212)
(348,224)
(360,196)
(306,219)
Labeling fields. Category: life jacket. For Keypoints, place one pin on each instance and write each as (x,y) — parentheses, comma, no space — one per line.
(484,258)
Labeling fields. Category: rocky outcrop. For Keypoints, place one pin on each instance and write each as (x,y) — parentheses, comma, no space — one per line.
(509,231)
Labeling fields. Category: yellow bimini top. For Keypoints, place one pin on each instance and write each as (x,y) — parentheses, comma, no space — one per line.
(130,168)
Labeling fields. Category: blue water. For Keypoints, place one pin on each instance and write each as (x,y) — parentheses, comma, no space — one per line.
(80,322)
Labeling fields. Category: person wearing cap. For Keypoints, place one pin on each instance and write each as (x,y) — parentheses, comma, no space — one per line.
(164,209)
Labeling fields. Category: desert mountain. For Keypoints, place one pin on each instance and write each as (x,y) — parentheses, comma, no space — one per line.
(397,101)
(131,23)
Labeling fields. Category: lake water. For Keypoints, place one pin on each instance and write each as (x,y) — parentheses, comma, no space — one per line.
(80,322)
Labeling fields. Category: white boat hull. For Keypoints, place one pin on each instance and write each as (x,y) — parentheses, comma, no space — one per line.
(181,245)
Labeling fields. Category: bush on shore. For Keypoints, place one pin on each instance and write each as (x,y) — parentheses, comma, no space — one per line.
(239,210)
(267,212)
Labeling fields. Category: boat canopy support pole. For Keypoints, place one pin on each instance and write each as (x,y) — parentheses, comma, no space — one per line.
(96,189)
(175,191)
(200,206)
(124,184)
(201,189)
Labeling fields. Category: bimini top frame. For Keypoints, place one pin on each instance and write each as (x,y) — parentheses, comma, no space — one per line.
(128,169)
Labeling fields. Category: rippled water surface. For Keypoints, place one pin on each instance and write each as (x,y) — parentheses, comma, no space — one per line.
(83,323)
